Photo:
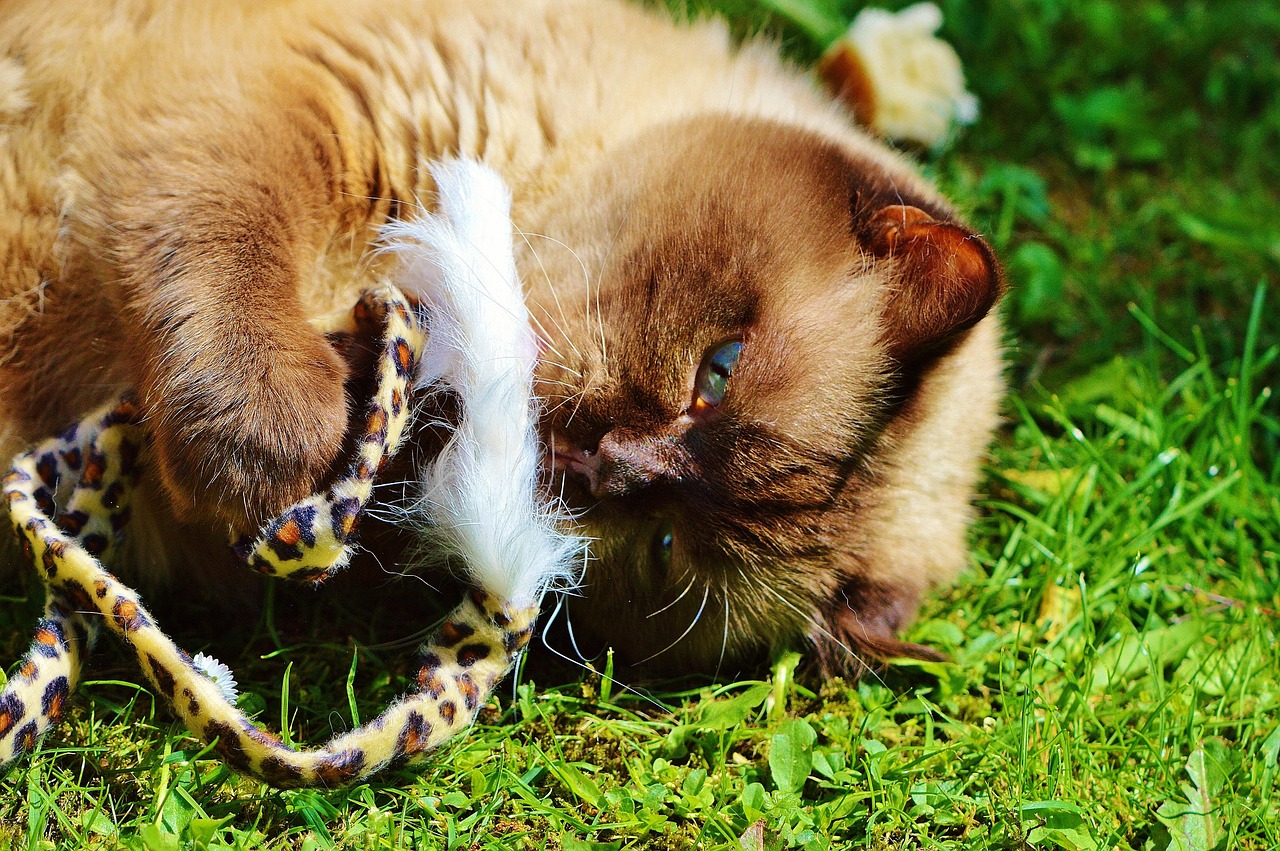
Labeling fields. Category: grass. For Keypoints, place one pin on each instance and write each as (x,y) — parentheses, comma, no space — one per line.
(1116,679)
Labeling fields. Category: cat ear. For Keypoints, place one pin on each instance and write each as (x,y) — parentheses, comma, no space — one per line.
(947,279)
(857,628)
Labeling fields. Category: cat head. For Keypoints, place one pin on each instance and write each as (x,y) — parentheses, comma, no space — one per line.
(732,311)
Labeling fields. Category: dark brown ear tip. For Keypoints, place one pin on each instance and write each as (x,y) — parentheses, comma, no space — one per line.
(919,652)
(971,267)
(948,278)
(938,246)
(856,629)
(959,252)
(857,658)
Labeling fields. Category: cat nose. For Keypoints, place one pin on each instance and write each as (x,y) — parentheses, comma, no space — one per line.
(617,465)
(625,464)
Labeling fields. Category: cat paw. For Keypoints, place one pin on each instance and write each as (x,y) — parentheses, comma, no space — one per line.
(237,441)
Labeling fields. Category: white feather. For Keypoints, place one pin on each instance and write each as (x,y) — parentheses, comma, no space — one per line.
(481,494)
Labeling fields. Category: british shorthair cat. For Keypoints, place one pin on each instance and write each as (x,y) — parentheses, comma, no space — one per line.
(770,364)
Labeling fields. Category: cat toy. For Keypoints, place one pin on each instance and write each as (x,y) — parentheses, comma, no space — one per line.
(69,500)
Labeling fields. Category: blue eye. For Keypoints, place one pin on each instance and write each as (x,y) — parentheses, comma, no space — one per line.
(713,377)
(662,541)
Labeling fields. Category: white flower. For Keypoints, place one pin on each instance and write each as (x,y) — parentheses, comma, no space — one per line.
(915,82)
(219,673)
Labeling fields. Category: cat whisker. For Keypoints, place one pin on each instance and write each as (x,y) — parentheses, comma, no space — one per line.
(567,512)
(566,400)
(581,396)
(586,275)
(573,640)
(412,639)
(406,573)
(355,236)
(560,326)
(406,641)
(392,483)
(604,345)
(706,594)
(395,515)
(564,367)
(604,259)
(751,585)
(543,333)
(808,618)
(724,638)
(558,383)
(546,628)
(678,598)
(577,406)
(545,336)
(573,515)
(551,286)
(555,295)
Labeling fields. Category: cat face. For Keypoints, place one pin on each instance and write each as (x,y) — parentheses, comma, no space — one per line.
(731,313)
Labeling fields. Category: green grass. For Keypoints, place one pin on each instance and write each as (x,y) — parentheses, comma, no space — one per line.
(1116,679)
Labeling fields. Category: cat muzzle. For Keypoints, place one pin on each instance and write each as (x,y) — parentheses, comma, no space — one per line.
(620,464)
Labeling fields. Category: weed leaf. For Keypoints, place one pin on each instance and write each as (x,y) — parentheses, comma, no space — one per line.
(1059,824)
(569,843)
(752,839)
(1133,654)
(1194,825)
(791,754)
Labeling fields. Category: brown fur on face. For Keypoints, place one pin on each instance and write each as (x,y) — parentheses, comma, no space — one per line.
(174,207)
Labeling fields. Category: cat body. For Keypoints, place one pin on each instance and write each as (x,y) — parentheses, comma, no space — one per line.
(769,364)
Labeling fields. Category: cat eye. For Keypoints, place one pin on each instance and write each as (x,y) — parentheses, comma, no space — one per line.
(712,381)
(661,546)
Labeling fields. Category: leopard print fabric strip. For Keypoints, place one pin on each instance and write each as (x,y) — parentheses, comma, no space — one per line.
(90,469)
(309,542)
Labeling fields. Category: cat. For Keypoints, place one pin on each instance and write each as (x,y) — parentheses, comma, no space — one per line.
(769,353)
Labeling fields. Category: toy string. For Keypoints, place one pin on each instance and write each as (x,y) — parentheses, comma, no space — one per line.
(96,463)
